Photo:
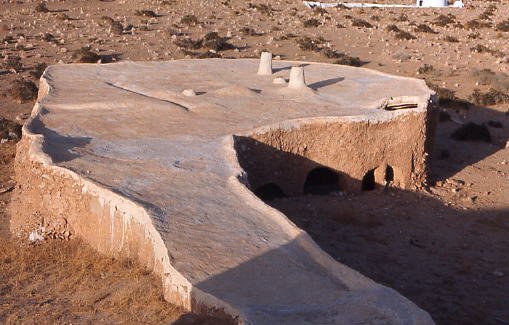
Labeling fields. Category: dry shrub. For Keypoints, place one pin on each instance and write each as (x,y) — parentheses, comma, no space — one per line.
(312,22)
(484,49)
(208,55)
(447,98)
(249,31)
(41,7)
(401,56)
(85,55)
(426,68)
(307,43)
(262,8)
(490,11)
(503,26)
(358,22)
(331,53)
(451,39)
(38,70)
(48,37)
(491,97)
(423,28)
(9,129)
(477,24)
(400,34)
(213,41)
(12,62)
(444,20)
(115,26)
(497,80)
(23,91)
(146,13)
(401,18)
(189,20)
(349,60)
(189,44)
(320,11)
(472,132)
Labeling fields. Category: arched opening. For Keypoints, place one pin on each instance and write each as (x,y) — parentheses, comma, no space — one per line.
(321,181)
(368,181)
(269,192)
(389,175)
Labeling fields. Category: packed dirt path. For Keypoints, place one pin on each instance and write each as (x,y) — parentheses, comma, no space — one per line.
(443,249)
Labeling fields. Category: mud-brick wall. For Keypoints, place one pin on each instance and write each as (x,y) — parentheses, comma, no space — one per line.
(351,148)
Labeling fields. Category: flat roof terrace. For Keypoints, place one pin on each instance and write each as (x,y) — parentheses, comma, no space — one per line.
(159,161)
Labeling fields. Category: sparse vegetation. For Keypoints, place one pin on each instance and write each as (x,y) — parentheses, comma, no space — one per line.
(262,8)
(320,11)
(491,97)
(309,44)
(248,31)
(332,54)
(68,282)
(423,28)
(479,48)
(189,44)
(115,26)
(444,20)
(85,55)
(401,18)
(451,39)
(503,26)
(476,24)
(41,280)
(23,91)
(400,34)
(349,60)
(497,80)
(41,7)
(189,20)
(472,132)
(13,63)
(213,41)
(358,22)
(9,130)
(208,55)
(425,68)
(146,13)
(38,70)
(312,22)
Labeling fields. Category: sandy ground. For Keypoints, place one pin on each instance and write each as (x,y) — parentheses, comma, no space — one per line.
(443,248)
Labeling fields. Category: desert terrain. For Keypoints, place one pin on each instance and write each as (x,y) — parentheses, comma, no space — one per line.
(443,247)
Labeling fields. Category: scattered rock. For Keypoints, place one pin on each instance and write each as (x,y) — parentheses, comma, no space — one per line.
(498,273)
(34,237)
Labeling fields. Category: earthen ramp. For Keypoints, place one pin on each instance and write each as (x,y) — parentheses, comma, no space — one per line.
(159,161)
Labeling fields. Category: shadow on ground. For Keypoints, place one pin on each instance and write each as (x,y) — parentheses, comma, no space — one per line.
(451,261)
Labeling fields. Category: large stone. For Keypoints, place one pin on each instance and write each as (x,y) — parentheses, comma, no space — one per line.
(139,169)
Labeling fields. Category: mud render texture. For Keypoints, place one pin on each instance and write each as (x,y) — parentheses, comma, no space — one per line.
(52,195)
(353,149)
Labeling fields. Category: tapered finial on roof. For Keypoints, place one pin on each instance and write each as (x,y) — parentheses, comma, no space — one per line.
(265,67)
(297,79)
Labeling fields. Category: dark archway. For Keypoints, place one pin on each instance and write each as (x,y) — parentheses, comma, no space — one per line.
(321,181)
(389,175)
(368,181)
(269,192)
